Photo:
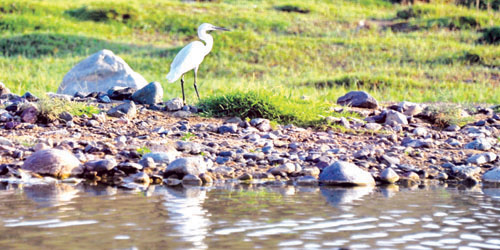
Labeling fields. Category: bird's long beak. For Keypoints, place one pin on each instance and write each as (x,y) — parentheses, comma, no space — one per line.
(220,28)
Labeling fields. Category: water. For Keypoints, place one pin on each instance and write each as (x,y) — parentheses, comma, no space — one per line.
(64,216)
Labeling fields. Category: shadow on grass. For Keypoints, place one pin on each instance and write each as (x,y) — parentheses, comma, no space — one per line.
(37,45)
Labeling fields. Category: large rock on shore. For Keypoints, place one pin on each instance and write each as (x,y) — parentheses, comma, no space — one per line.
(98,73)
(358,99)
(53,162)
(344,173)
(187,165)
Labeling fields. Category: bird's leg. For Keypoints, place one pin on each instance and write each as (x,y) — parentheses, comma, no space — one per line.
(196,87)
(182,86)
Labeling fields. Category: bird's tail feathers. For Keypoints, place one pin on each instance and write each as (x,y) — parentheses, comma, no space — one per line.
(172,76)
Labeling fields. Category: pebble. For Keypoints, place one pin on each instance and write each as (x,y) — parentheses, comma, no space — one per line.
(174,104)
(479,144)
(492,175)
(127,109)
(482,158)
(388,175)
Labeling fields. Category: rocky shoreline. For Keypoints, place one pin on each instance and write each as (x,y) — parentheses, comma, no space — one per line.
(113,140)
(134,145)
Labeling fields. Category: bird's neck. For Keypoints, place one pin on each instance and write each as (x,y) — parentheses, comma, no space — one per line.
(208,39)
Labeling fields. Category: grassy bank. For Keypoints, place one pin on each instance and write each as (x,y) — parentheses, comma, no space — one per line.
(310,50)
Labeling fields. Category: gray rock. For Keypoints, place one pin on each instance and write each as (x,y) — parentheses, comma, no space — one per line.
(130,167)
(389,176)
(464,171)
(104,99)
(127,109)
(192,180)
(453,142)
(345,173)
(410,108)
(408,142)
(121,93)
(452,128)
(228,128)
(442,176)
(150,94)
(93,123)
(66,116)
(373,126)
(182,114)
(100,165)
(492,175)
(482,158)
(147,162)
(188,147)
(245,177)
(30,115)
(390,160)
(312,171)
(236,120)
(261,124)
(6,142)
(307,181)
(222,160)
(223,170)
(174,104)
(420,131)
(394,117)
(98,73)
(53,162)
(479,144)
(286,168)
(188,165)
(162,157)
(359,99)
(5,116)
(253,156)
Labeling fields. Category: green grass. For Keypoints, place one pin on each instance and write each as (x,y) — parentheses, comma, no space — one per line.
(311,50)
(51,108)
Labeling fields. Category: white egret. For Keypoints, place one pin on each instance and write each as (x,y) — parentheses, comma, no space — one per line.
(191,56)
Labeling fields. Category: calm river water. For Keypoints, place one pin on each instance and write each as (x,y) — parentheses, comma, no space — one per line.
(64,216)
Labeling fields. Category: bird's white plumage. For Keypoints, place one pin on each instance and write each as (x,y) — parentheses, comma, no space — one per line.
(191,56)
(187,59)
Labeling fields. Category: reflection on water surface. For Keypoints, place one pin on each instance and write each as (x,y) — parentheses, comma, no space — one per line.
(61,216)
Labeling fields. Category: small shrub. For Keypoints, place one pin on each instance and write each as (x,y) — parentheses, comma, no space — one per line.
(143,150)
(411,13)
(292,8)
(249,104)
(446,114)
(491,35)
(471,58)
(263,104)
(51,108)
(188,136)
(483,4)
(454,23)
(104,12)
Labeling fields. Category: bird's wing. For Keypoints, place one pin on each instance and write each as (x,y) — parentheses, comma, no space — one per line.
(187,59)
